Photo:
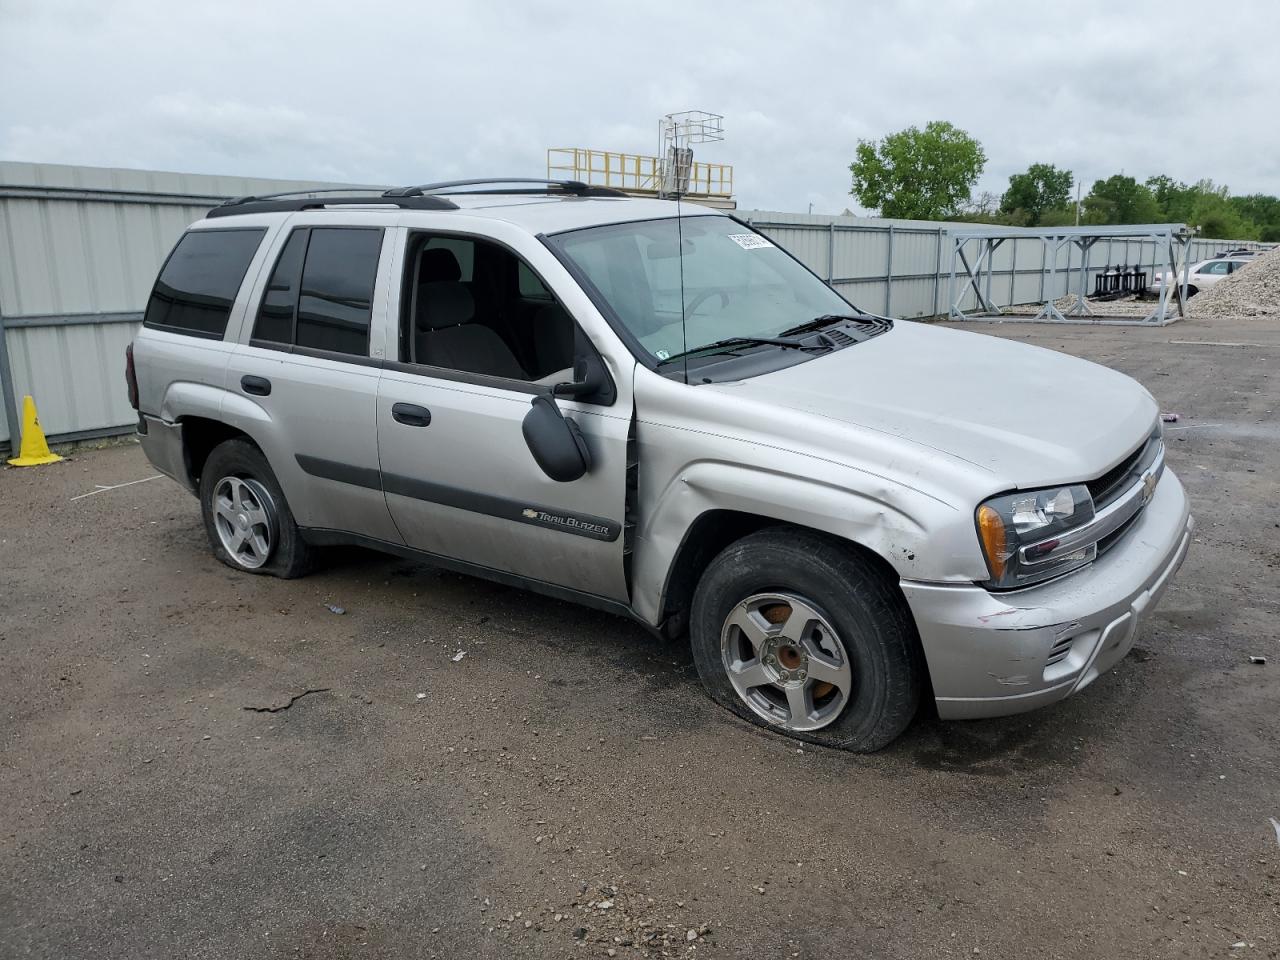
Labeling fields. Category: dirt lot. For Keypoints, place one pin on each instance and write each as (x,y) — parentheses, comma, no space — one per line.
(565,790)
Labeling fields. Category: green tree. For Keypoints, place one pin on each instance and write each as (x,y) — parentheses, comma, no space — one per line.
(1263,211)
(917,174)
(1215,217)
(1042,188)
(1175,199)
(1120,199)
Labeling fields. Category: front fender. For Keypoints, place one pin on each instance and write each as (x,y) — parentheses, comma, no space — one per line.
(912,531)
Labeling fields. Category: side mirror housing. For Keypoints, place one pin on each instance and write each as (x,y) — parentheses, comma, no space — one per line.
(556,442)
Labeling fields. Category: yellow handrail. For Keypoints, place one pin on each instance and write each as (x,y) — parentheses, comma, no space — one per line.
(634,173)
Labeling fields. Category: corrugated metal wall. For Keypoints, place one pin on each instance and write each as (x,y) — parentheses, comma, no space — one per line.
(903,267)
(79,251)
(80,248)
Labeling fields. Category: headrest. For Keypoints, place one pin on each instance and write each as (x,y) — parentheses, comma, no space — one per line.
(445,303)
(438,263)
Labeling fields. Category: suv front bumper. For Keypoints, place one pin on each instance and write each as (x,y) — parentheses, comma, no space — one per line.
(989,653)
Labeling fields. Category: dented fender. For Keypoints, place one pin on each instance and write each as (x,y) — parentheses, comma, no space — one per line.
(911,531)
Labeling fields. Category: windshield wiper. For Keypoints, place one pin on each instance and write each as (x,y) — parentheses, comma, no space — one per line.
(817,323)
(730,342)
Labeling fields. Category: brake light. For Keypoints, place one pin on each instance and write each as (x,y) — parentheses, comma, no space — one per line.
(131,376)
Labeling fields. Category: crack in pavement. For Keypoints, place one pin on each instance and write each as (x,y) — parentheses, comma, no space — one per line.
(292,700)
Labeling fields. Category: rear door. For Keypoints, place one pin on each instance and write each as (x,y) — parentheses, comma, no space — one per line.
(459,479)
(305,384)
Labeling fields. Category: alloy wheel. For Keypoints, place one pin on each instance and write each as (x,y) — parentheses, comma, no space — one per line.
(244,515)
(786,662)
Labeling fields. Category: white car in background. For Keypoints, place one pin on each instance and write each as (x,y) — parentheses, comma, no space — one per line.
(1206,273)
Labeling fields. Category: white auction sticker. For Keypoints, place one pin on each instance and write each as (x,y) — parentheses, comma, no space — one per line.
(749,241)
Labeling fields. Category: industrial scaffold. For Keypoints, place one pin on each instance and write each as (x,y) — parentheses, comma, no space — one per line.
(973,254)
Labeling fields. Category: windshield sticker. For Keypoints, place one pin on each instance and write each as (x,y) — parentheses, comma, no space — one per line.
(663,354)
(749,241)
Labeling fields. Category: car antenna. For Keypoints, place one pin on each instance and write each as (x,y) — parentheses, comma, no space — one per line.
(684,327)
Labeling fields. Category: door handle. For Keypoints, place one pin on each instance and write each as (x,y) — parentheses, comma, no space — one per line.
(410,414)
(258,386)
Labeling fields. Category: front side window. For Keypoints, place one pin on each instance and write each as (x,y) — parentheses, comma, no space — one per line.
(320,294)
(1216,267)
(473,306)
(677,286)
(200,280)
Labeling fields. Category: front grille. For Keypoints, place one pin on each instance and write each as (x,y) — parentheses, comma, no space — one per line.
(1110,540)
(1118,479)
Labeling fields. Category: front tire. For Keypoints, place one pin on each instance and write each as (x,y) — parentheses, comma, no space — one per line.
(795,631)
(246,517)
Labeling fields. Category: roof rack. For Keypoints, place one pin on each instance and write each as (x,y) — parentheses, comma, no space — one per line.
(294,200)
(528,186)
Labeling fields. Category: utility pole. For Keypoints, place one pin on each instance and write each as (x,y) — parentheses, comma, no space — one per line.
(1077,203)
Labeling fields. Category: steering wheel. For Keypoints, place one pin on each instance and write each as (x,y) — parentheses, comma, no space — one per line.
(693,305)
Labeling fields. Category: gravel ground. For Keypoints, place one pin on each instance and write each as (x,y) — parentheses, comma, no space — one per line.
(198,763)
(1253,291)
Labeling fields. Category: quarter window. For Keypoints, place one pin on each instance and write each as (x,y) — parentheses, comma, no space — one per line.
(200,280)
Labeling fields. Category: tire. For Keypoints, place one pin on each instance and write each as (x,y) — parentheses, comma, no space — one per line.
(1192,291)
(250,528)
(857,654)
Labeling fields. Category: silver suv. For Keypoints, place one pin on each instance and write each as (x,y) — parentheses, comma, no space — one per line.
(650,408)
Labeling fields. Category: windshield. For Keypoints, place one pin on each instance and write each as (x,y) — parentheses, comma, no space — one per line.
(736,282)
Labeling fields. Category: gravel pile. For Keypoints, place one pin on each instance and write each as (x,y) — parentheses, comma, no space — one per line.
(1251,292)
(1127,308)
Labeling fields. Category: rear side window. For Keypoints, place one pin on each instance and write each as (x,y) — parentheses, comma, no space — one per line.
(200,280)
(320,294)
(275,317)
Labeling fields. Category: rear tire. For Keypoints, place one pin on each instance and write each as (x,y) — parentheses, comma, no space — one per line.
(246,517)
(853,675)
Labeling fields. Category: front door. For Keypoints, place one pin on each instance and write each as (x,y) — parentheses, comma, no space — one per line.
(459,479)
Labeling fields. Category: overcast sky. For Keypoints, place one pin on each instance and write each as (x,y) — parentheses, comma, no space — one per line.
(402,92)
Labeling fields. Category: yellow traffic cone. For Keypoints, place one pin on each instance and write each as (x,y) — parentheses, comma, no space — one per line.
(35,449)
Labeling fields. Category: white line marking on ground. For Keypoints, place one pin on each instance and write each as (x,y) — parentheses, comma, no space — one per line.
(116,486)
(1213,343)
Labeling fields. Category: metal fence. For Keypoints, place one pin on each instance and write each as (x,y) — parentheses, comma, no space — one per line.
(902,268)
(80,248)
(79,251)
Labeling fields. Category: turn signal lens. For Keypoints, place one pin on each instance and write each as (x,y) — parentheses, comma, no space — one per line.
(994,545)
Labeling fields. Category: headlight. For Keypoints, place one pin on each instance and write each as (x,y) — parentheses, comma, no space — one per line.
(1020,533)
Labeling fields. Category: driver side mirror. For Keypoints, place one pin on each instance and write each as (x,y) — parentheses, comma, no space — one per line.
(556,442)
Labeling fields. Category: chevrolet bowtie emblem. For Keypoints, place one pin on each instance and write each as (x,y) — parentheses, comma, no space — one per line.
(531,514)
(1148,487)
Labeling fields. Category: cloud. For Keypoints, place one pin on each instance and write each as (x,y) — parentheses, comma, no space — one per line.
(401,91)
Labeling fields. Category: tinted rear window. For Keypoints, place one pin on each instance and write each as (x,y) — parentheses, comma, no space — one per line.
(200,280)
(336,294)
(275,316)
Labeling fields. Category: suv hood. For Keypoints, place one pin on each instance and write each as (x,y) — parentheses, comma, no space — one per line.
(1030,416)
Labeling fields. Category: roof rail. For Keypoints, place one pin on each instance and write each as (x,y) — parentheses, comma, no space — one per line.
(290,202)
(528,186)
(304,192)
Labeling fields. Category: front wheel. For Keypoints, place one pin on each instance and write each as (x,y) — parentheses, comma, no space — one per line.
(246,517)
(795,631)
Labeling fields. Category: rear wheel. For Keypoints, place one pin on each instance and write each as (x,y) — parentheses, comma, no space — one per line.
(246,517)
(795,631)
